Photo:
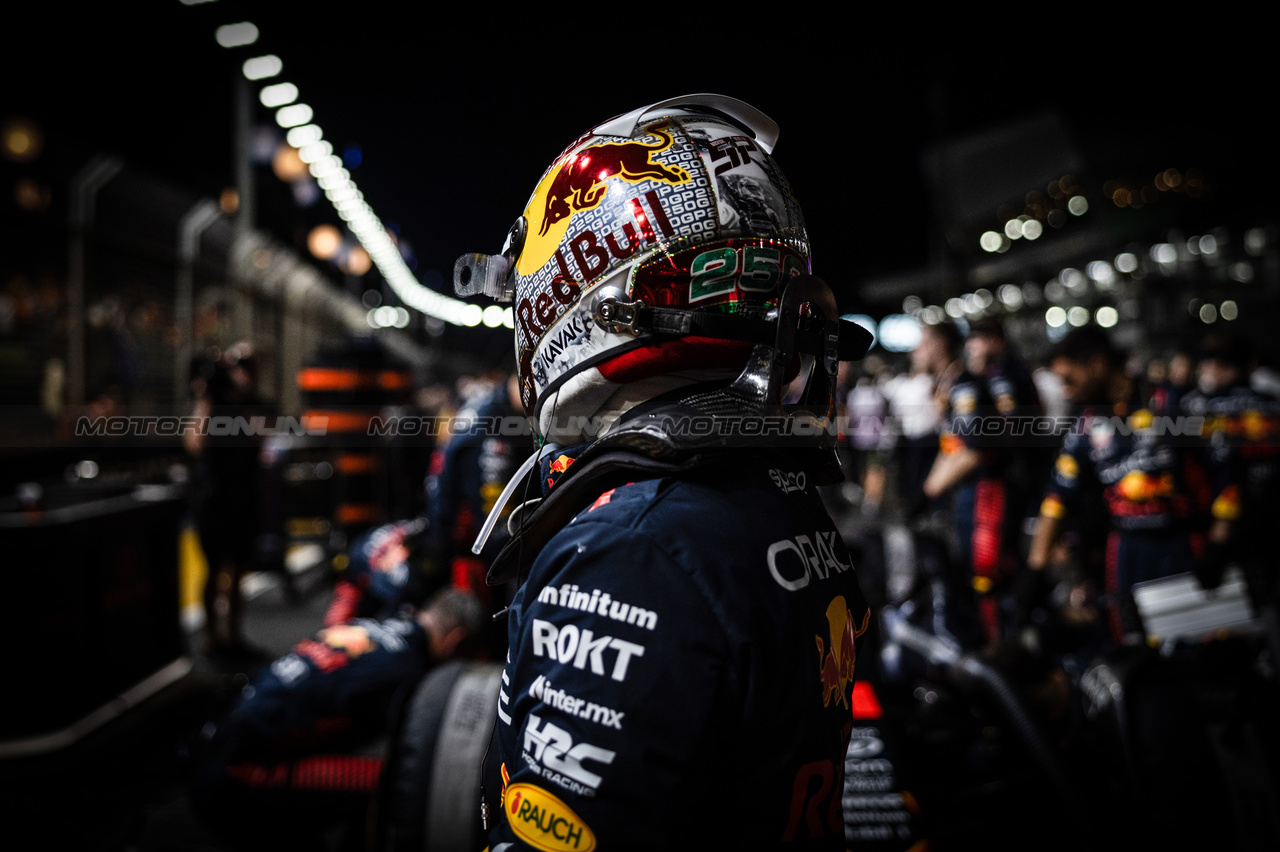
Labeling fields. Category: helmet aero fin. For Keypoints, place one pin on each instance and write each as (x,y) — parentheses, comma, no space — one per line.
(490,275)
(764,130)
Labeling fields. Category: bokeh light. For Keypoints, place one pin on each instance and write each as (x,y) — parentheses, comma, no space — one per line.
(324,241)
(229,200)
(262,67)
(236,35)
(1126,262)
(287,165)
(21,140)
(356,261)
(293,115)
(278,95)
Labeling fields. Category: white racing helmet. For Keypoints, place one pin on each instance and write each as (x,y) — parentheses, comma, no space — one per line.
(647,247)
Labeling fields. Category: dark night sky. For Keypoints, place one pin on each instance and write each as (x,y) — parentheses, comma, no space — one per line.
(457,121)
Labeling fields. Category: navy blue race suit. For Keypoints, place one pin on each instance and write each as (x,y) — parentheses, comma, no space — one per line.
(332,690)
(295,753)
(490,440)
(1156,478)
(680,666)
(989,505)
(377,580)
(1243,430)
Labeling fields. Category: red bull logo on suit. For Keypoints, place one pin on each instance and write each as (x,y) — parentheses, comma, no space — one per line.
(836,660)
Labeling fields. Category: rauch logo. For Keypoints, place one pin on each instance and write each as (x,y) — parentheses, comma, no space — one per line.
(543,821)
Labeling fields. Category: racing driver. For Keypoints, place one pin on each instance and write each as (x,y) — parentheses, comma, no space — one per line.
(682,646)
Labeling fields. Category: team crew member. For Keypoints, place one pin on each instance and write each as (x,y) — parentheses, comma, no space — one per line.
(400,563)
(490,438)
(985,465)
(682,649)
(293,756)
(918,401)
(1163,502)
(379,576)
(1243,428)
(228,493)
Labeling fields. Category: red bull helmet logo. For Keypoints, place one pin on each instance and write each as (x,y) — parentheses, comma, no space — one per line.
(836,661)
(580,184)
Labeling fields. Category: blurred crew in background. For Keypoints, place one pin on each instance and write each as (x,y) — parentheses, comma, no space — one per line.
(1170,378)
(1170,510)
(489,439)
(870,434)
(918,401)
(299,752)
(227,493)
(987,464)
(1243,429)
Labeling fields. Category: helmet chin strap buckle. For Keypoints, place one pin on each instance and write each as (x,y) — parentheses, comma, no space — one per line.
(613,313)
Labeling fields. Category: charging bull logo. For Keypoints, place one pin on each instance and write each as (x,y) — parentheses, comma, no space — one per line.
(836,663)
(581,183)
(348,638)
(556,468)
(1139,487)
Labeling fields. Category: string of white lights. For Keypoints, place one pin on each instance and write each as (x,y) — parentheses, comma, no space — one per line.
(347,199)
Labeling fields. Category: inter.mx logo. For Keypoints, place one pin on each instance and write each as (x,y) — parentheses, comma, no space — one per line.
(543,691)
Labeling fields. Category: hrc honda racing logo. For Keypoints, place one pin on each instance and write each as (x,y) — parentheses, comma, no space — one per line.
(550,751)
